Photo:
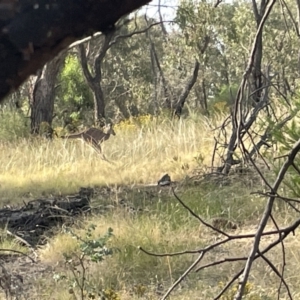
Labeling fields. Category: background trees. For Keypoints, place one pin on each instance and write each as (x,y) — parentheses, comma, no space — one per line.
(141,68)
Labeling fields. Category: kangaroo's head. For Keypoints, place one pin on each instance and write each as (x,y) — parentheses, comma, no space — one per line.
(109,129)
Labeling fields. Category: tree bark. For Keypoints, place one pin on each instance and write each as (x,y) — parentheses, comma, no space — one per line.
(99,103)
(256,73)
(185,93)
(34,32)
(168,99)
(94,81)
(42,98)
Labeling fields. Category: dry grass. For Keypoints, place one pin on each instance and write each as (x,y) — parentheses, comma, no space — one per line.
(171,229)
(141,154)
(8,242)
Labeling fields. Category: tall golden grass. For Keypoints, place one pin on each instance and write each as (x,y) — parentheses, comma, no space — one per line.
(140,154)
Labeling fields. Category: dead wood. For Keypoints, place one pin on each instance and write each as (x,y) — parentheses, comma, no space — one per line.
(30,222)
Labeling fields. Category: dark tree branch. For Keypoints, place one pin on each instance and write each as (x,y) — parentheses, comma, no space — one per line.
(198,217)
(283,234)
(192,266)
(100,56)
(124,36)
(84,63)
(252,70)
(163,28)
(33,34)
(265,218)
(282,280)
(283,261)
(226,287)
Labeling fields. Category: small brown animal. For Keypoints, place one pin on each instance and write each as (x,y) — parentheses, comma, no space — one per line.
(93,136)
(223,223)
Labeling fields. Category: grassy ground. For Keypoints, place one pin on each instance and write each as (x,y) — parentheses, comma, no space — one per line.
(140,155)
(165,227)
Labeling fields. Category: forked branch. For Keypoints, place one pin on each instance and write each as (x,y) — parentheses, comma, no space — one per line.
(255,253)
(267,213)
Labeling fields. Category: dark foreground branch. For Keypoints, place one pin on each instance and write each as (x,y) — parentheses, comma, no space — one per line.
(34,32)
(267,213)
(282,233)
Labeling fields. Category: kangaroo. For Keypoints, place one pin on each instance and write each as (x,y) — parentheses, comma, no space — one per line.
(93,136)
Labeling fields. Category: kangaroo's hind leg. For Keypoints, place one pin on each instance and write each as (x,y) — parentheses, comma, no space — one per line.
(97,147)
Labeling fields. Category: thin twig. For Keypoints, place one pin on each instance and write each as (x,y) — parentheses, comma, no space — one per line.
(282,280)
(19,252)
(197,217)
(284,231)
(283,258)
(234,278)
(268,194)
(166,295)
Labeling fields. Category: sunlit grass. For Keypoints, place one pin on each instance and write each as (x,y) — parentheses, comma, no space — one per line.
(141,152)
(139,156)
(8,242)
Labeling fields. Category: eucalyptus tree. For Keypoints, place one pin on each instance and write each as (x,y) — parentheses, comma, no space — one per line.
(42,94)
(129,80)
(199,23)
(263,31)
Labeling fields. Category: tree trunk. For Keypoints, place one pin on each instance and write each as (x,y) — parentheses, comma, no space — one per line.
(204,98)
(42,98)
(186,91)
(99,102)
(94,81)
(168,99)
(256,74)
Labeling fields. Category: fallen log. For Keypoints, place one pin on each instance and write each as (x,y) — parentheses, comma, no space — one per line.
(32,220)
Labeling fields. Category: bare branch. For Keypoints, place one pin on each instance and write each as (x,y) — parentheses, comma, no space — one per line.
(282,280)
(265,218)
(166,295)
(283,260)
(124,36)
(197,217)
(234,278)
(18,252)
